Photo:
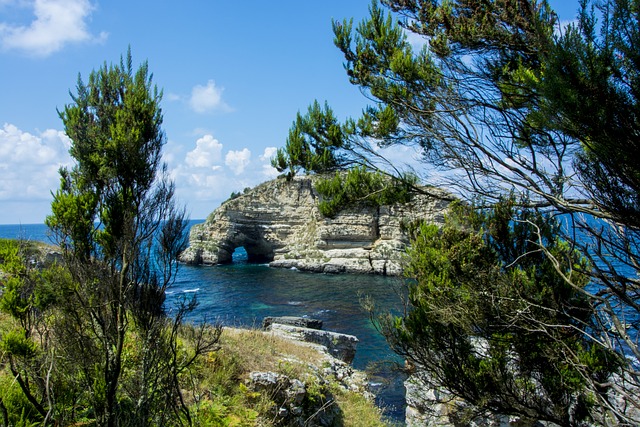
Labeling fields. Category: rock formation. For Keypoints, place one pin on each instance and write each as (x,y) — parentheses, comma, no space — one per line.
(339,346)
(309,401)
(279,222)
(302,322)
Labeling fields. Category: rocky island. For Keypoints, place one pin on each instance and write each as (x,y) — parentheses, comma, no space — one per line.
(278,222)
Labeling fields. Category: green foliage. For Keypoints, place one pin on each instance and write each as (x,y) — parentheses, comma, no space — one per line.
(591,86)
(27,290)
(505,101)
(25,361)
(116,220)
(19,410)
(236,194)
(14,301)
(225,413)
(313,143)
(481,293)
(16,343)
(10,257)
(115,128)
(26,297)
(475,61)
(358,186)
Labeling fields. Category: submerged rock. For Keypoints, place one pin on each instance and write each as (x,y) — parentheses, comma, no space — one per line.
(279,223)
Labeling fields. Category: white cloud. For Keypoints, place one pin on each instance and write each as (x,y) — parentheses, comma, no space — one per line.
(206,175)
(173,97)
(237,161)
(29,163)
(56,24)
(207,154)
(269,152)
(268,171)
(207,98)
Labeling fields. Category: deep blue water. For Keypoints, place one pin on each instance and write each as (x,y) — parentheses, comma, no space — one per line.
(242,294)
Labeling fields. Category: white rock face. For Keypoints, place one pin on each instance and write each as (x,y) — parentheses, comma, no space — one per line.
(429,407)
(339,346)
(279,222)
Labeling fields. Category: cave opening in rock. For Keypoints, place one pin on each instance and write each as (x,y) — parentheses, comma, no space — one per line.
(251,254)
(239,255)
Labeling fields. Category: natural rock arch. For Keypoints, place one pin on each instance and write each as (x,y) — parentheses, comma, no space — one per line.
(258,249)
(279,223)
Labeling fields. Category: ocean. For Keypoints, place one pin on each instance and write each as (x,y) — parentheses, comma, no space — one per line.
(241,294)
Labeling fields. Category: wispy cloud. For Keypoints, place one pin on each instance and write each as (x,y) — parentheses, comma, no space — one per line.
(417,41)
(563,26)
(207,98)
(56,24)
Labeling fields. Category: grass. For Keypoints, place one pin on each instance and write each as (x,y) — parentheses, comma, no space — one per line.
(243,351)
(358,411)
(262,351)
(215,387)
(219,395)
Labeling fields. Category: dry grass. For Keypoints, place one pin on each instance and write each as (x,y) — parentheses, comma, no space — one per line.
(357,411)
(255,350)
(217,395)
(262,351)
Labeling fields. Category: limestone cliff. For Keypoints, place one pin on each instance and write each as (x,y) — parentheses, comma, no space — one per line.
(279,222)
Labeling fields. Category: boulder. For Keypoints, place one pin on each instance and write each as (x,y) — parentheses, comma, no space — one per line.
(293,404)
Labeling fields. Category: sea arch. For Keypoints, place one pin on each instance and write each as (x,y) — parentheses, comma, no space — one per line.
(251,238)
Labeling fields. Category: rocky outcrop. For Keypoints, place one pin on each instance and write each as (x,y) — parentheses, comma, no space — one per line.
(339,346)
(279,223)
(428,406)
(308,400)
(293,405)
(432,407)
(303,322)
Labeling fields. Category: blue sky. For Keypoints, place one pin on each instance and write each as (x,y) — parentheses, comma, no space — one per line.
(234,74)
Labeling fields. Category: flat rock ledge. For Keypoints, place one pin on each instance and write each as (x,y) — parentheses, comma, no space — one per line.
(302,322)
(340,346)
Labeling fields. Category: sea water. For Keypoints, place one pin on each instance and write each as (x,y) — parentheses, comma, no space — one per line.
(241,294)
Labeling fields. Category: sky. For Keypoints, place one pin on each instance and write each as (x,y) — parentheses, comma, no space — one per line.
(233,75)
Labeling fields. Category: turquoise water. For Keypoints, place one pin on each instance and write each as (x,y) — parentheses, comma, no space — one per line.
(242,294)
